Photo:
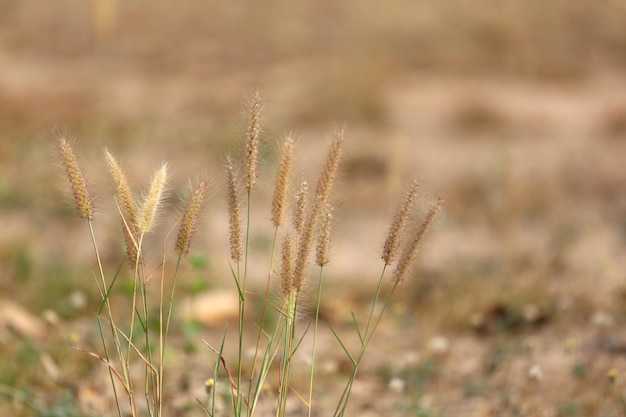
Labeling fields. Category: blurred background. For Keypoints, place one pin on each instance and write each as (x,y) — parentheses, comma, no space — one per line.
(513,112)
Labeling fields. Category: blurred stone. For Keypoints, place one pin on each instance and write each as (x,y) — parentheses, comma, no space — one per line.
(535,373)
(51,368)
(602,319)
(18,319)
(211,308)
(439,345)
(77,300)
(397,385)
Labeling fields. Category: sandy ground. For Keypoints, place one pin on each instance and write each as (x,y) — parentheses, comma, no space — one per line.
(517,303)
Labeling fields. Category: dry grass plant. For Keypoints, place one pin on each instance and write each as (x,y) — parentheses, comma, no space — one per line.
(311,225)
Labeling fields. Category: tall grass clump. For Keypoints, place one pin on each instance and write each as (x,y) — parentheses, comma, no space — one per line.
(301,252)
(298,245)
(134,340)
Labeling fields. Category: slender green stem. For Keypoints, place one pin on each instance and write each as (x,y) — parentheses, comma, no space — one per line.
(316,322)
(366,337)
(263,314)
(163,332)
(242,310)
(116,339)
(290,320)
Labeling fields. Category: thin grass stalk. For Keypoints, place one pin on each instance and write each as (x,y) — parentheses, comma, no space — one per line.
(264,312)
(268,359)
(316,322)
(366,336)
(116,340)
(137,277)
(242,308)
(290,319)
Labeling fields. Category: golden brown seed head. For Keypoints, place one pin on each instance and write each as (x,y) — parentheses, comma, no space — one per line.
(75,175)
(331,167)
(124,193)
(286,272)
(132,244)
(410,251)
(236,246)
(282,182)
(151,203)
(398,225)
(322,194)
(322,256)
(189,220)
(253,134)
(299,212)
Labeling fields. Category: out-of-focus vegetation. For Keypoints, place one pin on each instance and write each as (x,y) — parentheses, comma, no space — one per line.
(512,111)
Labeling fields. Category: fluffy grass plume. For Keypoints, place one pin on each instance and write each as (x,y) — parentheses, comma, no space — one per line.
(398,225)
(282,183)
(253,134)
(286,270)
(322,194)
(409,254)
(322,251)
(149,208)
(300,208)
(128,208)
(189,220)
(124,193)
(82,197)
(234,216)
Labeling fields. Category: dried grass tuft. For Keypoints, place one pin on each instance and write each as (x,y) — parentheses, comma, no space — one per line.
(398,225)
(236,245)
(322,252)
(282,183)
(253,135)
(189,220)
(76,177)
(409,254)
(152,201)
(322,194)
(286,271)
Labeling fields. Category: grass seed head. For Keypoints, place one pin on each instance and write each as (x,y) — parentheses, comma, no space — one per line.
(322,195)
(409,254)
(398,225)
(236,246)
(253,134)
(286,272)
(300,207)
(282,182)
(84,202)
(152,201)
(189,220)
(322,252)
(129,205)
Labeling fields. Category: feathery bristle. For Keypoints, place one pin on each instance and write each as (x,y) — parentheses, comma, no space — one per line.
(322,194)
(132,244)
(129,206)
(331,166)
(286,271)
(236,247)
(300,208)
(398,225)
(152,201)
(189,220)
(322,256)
(253,134)
(410,252)
(75,175)
(282,182)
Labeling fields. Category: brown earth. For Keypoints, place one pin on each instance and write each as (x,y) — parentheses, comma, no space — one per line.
(514,114)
